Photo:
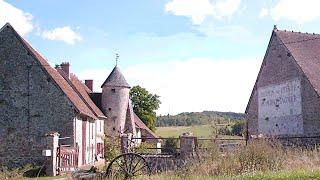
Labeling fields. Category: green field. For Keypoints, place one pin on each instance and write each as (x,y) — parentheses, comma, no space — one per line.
(176,131)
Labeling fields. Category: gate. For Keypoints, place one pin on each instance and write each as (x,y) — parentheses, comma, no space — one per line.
(67,159)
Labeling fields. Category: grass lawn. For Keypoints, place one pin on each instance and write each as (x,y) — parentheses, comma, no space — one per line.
(176,131)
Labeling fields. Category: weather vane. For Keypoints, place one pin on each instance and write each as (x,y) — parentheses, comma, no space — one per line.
(117,58)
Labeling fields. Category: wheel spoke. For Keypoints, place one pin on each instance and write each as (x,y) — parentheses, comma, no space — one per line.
(136,164)
(124,170)
(130,167)
(127,166)
(139,168)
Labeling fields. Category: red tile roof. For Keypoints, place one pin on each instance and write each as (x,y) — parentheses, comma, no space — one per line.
(58,79)
(83,90)
(141,125)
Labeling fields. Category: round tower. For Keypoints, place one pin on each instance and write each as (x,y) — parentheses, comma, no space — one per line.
(114,102)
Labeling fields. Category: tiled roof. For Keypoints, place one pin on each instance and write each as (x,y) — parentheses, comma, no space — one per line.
(305,49)
(141,125)
(116,79)
(58,79)
(83,90)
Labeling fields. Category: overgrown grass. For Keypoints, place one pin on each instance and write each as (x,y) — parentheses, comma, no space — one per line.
(259,160)
(279,175)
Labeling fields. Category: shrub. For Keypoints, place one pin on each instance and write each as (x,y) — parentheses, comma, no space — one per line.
(111,148)
(170,146)
(238,128)
(224,131)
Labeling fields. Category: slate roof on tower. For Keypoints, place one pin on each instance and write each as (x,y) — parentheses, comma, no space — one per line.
(116,79)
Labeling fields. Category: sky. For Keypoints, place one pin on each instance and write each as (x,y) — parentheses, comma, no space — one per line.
(195,54)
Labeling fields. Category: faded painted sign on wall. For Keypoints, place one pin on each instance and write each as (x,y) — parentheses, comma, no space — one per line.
(279,109)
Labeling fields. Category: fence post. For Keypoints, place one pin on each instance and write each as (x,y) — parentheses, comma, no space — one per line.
(124,143)
(50,152)
(187,145)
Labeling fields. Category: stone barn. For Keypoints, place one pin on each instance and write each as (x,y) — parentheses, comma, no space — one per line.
(37,99)
(285,99)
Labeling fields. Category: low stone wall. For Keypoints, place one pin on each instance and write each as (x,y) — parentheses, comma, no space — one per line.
(158,163)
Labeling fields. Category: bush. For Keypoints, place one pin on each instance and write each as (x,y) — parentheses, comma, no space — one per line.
(224,131)
(111,148)
(170,146)
(238,128)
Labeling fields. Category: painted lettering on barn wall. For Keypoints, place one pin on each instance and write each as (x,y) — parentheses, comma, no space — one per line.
(279,110)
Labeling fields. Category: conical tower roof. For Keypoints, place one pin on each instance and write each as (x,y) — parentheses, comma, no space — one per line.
(116,79)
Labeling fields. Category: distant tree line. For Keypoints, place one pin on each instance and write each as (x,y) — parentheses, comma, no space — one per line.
(236,129)
(198,118)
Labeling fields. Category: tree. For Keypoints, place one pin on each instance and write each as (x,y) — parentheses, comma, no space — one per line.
(144,105)
(238,128)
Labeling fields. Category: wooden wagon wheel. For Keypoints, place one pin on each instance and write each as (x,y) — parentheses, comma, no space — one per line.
(128,166)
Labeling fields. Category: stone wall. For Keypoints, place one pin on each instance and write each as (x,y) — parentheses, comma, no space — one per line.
(280,67)
(159,163)
(114,105)
(31,104)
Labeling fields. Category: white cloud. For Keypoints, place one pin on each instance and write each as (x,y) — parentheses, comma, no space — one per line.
(225,8)
(264,12)
(229,32)
(198,10)
(20,20)
(296,10)
(193,85)
(65,34)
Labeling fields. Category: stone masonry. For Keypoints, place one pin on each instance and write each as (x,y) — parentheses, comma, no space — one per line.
(28,103)
(280,66)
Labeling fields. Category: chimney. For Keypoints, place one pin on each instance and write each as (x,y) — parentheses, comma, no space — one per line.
(89,83)
(65,66)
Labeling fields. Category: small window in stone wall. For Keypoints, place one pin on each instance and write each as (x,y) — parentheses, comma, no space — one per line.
(110,109)
(113,90)
(113,128)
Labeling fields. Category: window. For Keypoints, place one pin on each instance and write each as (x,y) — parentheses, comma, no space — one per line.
(113,90)
(114,128)
(109,109)
(100,126)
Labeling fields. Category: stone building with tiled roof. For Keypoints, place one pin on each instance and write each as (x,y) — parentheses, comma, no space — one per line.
(36,99)
(285,99)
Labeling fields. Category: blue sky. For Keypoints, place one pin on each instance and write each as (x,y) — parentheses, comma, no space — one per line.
(196,54)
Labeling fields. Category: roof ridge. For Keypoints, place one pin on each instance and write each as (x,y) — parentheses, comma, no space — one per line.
(297,32)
